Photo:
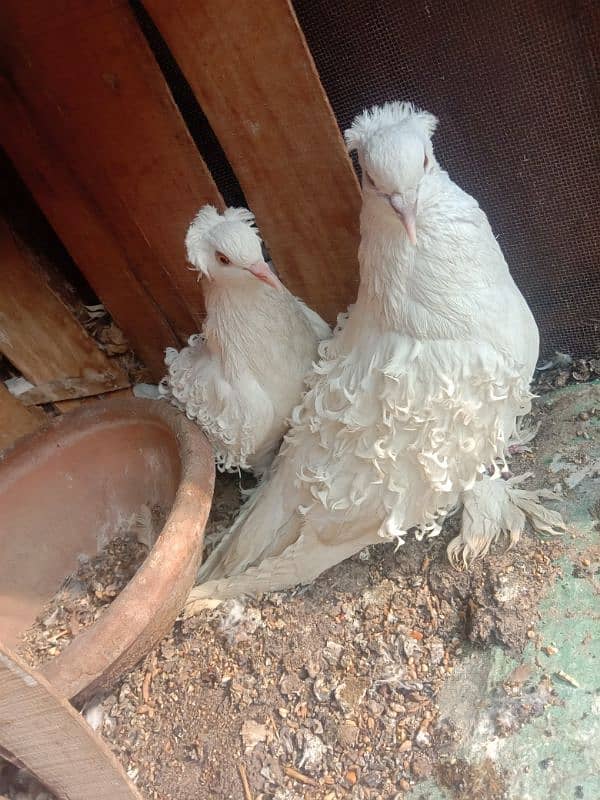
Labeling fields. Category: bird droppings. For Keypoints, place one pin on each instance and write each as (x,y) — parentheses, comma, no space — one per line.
(253,733)
(513,706)
(550,650)
(566,678)
(562,370)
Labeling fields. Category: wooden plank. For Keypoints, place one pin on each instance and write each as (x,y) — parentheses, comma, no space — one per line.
(91,243)
(96,94)
(46,734)
(65,389)
(38,333)
(251,70)
(15,419)
(71,405)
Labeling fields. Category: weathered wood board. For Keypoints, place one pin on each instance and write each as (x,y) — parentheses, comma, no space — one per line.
(15,419)
(50,738)
(90,242)
(250,68)
(38,333)
(97,100)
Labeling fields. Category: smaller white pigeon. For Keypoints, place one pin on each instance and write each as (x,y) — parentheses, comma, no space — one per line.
(241,377)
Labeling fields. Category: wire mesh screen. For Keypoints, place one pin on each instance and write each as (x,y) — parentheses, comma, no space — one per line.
(514,86)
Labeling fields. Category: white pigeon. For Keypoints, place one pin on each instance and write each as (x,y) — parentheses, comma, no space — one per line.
(415,396)
(241,377)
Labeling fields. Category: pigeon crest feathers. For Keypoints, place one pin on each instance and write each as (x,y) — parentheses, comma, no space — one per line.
(239,215)
(198,240)
(386,116)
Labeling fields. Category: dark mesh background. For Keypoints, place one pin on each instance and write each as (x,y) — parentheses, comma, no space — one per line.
(515,88)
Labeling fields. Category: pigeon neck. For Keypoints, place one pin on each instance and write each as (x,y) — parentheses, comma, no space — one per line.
(232,310)
(233,289)
(402,285)
(386,259)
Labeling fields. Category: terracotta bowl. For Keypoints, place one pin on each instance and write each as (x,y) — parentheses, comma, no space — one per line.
(65,491)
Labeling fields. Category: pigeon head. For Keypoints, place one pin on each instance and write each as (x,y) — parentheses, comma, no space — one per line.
(225,247)
(394,148)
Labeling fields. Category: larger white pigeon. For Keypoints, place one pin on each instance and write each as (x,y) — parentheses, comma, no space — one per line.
(416,395)
(241,377)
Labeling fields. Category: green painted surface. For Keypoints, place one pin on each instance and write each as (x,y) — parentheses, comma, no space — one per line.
(554,756)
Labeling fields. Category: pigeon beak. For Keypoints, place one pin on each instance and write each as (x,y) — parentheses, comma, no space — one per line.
(408,215)
(264,273)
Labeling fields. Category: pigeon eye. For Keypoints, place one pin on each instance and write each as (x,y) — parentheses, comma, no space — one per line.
(222,258)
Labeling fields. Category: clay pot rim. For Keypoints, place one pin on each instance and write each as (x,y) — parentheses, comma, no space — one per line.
(96,657)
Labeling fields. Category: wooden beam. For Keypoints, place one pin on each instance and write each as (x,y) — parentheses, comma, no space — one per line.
(97,98)
(64,389)
(71,405)
(252,72)
(91,243)
(15,419)
(45,733)
(38,333)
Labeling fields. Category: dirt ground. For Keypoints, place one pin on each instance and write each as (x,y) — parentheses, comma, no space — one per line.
(327,691)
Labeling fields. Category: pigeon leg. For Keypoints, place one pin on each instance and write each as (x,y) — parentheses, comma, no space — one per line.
(494,507)
(523,436)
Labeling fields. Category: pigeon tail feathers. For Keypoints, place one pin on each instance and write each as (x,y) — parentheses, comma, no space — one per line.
(299,563)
